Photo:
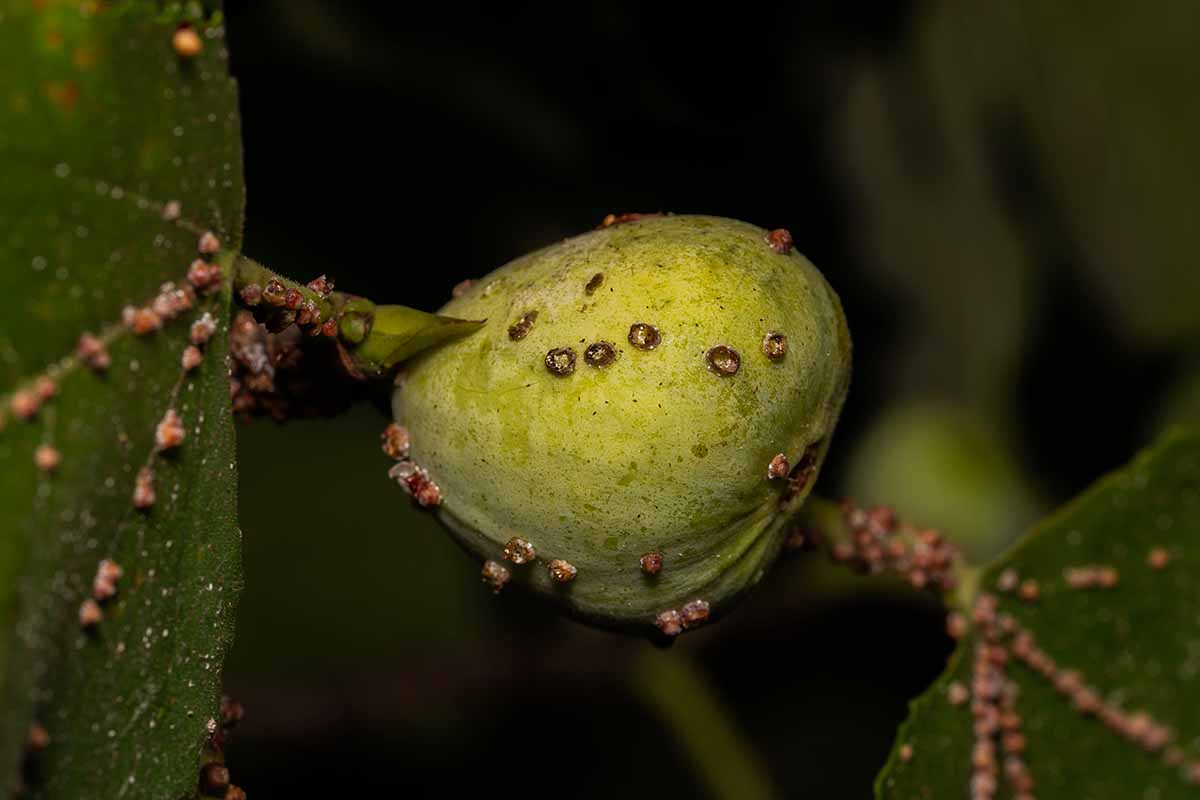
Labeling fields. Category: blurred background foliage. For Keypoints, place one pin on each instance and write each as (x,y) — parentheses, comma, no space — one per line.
(1003,195)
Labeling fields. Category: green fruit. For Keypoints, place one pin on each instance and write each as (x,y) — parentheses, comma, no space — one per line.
(629,395)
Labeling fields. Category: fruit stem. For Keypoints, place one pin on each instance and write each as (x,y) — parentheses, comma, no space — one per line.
(372,340)
(675,688)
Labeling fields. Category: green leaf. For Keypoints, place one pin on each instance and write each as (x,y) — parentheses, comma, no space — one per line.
(102,125)
(1135,644)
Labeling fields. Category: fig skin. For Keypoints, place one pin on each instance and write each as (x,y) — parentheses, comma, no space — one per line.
(655,450)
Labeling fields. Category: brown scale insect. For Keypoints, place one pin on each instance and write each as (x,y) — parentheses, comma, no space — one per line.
(428,494)
(796,539)
(599,354)
(104,583)
(91,351)
(617,219)
(1008,580)
(292,298)
(203,329)
(322,286)
(519,551)
(46,458)
(274,292)
(462,287)
(24,404)
(723,360)
(187,44)
(251,294)
(562,571)
(669,622)
(593,284)
(214,780)
(957,694)
(171,210)
(232,712)
(774,346)
(520,329)
(495,575)
(644,336)
(905,753)
(234,793)
(37,739)
(395,441)
(778,468)
(171,302)
(329,328)
(651,563)
(694,613)
(141,321)
(956,625)
(1029,590)
(143,489)
(90,613)
(191,358)
(780,240)
(309,314)
(560,361)
(208,244)
(169,433)
(1158,558)
(45,388)
(417,482)
(203,276)
(876,543)
(1091,577)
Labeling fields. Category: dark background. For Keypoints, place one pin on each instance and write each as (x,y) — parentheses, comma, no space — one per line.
(996,197)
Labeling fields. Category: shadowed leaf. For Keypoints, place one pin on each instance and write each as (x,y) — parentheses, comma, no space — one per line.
(103,129)
(1125,650)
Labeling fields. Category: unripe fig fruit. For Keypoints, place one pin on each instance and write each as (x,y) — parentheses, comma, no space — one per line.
(666,386)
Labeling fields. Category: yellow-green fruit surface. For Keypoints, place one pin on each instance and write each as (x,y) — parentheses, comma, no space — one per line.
(655,452)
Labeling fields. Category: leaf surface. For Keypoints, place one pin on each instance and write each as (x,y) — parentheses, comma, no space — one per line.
(103,129)
(1134,644)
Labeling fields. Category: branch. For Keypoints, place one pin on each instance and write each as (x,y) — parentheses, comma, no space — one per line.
(677,690)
